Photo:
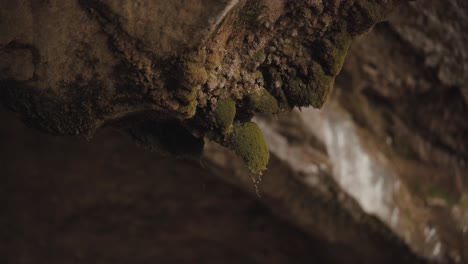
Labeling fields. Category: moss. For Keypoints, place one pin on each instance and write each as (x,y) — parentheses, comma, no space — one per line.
(189,109)
(320,86)
(296,91)
(259,56)
(373,9)
(314,93)
(248,142)
(332,52)
(188,102)
(214,60)
(364,14)
(263,102)
(249,14)
(195,73)
(75,113)
(224,115)
(187,96)
(274,83)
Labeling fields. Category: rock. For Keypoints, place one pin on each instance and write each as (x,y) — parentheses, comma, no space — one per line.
(378,176)
(70,68)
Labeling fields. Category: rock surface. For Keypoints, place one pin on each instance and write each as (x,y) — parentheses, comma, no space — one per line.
(403,89)
(71,67)
(378,176)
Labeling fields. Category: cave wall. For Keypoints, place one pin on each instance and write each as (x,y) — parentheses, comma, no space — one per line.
(379,174)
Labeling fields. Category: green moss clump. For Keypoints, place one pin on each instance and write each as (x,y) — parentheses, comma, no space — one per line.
(224,114)
(320,86)
(248,142)
(314,93)
(332,52)
(189,109)
(187,102)
(296,92)
(263,102)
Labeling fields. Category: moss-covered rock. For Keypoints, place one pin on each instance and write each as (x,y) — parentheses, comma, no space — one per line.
(263,102)
(296,91)
(188,109)
(248,142)
(365,13)
(224,115)
(314,93)
(332,52)
(259,56)
(214,59)
(228,53)
(195,73)
(320,86)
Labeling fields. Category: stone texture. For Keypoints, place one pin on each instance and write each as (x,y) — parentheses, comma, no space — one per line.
(378,176)
(95,62)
